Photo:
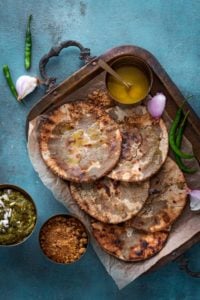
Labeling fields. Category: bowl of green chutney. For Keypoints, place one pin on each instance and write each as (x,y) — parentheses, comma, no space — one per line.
(18,215)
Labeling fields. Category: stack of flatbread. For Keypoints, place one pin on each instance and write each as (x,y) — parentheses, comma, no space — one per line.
(115,161)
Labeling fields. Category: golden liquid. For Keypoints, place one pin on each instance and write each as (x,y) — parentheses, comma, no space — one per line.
(134,76)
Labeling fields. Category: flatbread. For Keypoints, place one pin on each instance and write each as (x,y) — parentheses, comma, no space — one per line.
(110,201)
(79,142)
(168,196)
(126,243)
(144,144)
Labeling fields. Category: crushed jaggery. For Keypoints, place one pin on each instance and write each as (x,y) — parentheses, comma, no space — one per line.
(100,98)
(63,239)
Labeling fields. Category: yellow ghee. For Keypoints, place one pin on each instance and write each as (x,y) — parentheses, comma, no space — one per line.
(133,75)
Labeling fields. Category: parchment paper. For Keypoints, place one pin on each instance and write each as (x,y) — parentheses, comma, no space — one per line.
(122,272)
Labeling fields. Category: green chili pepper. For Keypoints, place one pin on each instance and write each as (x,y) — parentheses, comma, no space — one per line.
(28,45)
(10,83)
(179,134)
(179,137)
(172,136)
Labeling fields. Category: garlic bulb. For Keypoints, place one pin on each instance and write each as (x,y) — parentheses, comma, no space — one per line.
(25,85)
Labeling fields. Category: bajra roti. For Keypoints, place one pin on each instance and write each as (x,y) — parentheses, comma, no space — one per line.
(126,243)
(110,201)
(167,199)
(144,144)
(79,142)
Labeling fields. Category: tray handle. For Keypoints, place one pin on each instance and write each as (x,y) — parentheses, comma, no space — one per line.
(50,82)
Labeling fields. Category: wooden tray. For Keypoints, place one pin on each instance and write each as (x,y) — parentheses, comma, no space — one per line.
(91,76)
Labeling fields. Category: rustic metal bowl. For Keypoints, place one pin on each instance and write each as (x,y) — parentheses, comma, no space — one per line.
(18,189)
(130,60)
(66,216)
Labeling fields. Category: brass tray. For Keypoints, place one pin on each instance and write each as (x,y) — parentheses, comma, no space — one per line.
(91,76)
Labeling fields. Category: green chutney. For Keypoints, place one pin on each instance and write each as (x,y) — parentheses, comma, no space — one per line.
(17,216)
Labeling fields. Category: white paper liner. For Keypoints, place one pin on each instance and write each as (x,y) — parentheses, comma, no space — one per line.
(122,272)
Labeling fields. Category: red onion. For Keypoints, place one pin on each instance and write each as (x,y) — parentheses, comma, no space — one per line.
(156,105)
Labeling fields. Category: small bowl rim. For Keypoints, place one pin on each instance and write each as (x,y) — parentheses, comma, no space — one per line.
(137,59)
(66,215)
(26,194)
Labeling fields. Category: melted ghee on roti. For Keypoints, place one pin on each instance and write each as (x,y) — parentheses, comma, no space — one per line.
(80,142)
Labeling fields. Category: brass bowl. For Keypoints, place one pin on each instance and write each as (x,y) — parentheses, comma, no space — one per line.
(23,192)
(131,60)
(66,216)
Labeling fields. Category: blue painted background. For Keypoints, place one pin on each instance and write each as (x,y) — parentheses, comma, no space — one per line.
(170,30)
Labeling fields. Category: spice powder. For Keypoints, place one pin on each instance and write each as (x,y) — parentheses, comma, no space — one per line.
(63,239)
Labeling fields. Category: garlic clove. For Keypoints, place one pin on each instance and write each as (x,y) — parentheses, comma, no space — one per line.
(25,85)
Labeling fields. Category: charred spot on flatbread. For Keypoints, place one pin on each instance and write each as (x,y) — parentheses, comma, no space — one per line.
(126,243)
(166,201)
(144,144)
(79,142)
(110,201)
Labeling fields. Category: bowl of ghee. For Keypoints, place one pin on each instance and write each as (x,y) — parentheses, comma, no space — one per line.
(136,72)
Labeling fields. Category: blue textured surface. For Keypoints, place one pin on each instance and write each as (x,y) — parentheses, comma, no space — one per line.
(170,30)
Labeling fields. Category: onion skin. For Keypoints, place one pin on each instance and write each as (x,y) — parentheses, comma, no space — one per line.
(156,105)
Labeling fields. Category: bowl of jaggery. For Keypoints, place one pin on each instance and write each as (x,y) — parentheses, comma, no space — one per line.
(63,239)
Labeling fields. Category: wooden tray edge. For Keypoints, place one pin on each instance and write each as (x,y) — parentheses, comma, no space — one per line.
(175,254)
